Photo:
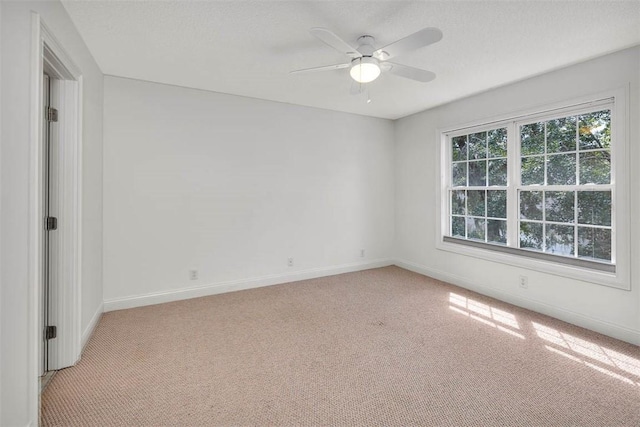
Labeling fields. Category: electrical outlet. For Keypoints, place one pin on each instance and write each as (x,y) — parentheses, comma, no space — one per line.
(361,253)
(290,262)
(193,274)
(524,282)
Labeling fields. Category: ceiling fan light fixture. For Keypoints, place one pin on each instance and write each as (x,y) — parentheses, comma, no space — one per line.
(365,69)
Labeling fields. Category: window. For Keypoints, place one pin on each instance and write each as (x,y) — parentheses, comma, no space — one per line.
(565,186)
(479,184)
(539,186)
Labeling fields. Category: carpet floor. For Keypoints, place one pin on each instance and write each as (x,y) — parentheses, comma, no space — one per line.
(379,347)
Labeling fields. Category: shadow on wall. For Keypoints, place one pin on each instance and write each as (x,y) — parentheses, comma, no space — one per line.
(605,360)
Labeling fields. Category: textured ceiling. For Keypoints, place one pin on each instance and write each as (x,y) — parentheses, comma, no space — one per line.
(248,47)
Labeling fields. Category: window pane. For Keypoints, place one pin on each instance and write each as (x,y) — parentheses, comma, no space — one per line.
(561,135)
(531,235)
(532,139)
(458,201)
(559,206)
(559,239)
(595,167)
(497,203)
(594,207)
(531,205)
(459,148)
(459,174)
(498,172)
(497,142)
(595,130)
(475,228)
(475,203)
(497,231)
(478,146)
(457,226)
(532,172)
(561,169)
(478,173)
(594,243)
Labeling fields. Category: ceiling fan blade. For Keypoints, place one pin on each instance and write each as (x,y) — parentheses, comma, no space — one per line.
(323,68)
(412,73)
(419,39)
(329,38)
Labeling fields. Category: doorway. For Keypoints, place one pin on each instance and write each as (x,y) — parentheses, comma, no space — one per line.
(57,210)
(64,264)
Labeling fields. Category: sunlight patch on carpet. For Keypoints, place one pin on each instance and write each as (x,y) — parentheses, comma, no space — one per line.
(590,354)
(490,316)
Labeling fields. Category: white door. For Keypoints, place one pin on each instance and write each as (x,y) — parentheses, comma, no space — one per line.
(50,224)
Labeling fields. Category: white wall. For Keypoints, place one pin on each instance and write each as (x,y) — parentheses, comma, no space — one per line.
(1,282)
(608,310)
(232,187)
(18,377)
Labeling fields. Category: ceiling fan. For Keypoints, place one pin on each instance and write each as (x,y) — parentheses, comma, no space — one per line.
(367,62)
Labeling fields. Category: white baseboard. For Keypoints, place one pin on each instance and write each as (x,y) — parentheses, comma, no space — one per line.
(607,328)
(237,285)
(91,327)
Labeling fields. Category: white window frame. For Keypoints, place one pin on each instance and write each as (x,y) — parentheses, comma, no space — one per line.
(620,218)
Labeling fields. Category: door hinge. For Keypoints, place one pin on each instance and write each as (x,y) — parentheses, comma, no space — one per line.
(50,332)
(51,223)
(51,114)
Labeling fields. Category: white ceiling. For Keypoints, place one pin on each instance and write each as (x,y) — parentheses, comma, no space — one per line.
(248,47)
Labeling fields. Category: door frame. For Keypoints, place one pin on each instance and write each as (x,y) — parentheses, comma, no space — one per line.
(47,52)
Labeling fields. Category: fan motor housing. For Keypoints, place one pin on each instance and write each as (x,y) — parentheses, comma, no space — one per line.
(365,45)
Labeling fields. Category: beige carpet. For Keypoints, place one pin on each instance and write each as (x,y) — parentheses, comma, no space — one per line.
(380,347)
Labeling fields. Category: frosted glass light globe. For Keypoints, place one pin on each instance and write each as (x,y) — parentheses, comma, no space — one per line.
(365,69)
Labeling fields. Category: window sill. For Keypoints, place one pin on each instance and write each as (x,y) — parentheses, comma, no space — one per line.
(584,270)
